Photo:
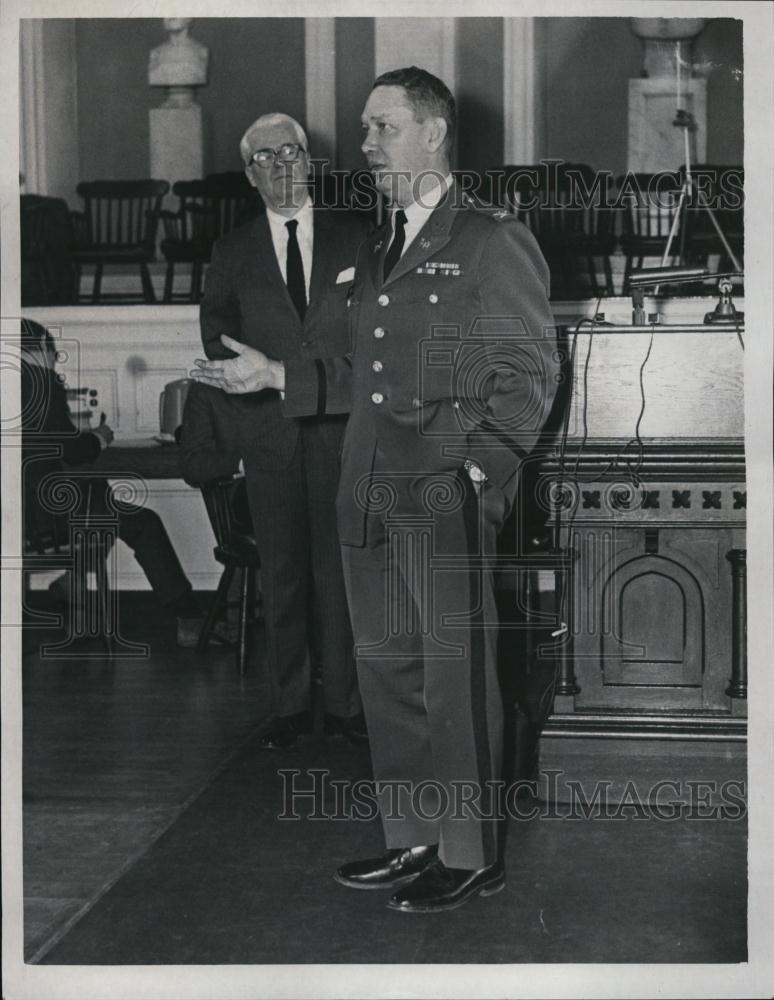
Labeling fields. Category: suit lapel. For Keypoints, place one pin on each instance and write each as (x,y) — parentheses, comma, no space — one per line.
(377,248)
(265,260)
(431,238)
(323,254)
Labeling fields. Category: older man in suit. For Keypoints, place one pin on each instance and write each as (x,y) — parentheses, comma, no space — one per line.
(450,380)
(280,284)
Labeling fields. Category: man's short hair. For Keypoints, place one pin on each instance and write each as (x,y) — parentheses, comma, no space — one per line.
(35,335)
(427,95)
(266,121)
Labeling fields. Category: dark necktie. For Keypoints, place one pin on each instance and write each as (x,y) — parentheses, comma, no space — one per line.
(396,247)
(295,270)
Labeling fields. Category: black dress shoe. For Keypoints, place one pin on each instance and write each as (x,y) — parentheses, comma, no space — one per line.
(442,888)
(353,728)
(286,730)
(393,868)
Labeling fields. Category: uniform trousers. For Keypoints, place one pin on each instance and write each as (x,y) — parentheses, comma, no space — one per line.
(305,604)
(421,595)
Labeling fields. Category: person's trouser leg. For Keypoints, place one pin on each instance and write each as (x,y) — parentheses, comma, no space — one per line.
(426,638)
(278,505)
(334,633)
(144,532)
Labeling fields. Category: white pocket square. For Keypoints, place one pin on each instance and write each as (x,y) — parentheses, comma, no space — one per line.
(346,275)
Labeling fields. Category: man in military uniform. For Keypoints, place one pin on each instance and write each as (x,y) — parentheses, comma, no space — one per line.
(449,382)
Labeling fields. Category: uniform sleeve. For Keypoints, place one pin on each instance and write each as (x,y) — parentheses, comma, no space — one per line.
(324,385)
(219,310)
(515,364)
(319,387)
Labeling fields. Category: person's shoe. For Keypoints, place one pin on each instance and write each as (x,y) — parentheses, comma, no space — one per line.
(226,633)
(393,868)
(441,888)
(188,630)
(352,728)
(286,730)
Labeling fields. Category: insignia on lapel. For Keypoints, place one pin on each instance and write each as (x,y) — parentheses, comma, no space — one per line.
(377,246)
(425,244)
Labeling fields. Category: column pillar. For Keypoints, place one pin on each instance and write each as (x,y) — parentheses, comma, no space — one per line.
(737,688)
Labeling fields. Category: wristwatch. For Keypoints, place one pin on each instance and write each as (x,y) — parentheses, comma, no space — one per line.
(474,470)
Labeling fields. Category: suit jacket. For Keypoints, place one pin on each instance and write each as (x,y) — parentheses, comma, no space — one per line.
(209,435)
(49,441)
(245,297)
(453,358)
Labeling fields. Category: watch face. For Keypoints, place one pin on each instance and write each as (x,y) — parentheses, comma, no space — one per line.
(475,472)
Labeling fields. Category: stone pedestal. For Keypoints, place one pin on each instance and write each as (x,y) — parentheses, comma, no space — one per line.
(176,143)
(654,142)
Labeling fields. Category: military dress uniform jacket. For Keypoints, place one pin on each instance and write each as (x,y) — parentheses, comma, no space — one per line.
(452,358)
(246,298)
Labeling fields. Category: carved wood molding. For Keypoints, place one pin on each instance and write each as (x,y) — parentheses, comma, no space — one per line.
(611,459)
(672,726)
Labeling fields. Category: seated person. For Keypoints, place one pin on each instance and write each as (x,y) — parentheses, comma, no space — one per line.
(46,421)
(207,437)
(208,450)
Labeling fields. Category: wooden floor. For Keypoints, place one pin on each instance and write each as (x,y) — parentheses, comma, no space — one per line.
(113,752)
(152,837)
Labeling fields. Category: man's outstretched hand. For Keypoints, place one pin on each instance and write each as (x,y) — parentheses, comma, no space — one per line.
(249,371)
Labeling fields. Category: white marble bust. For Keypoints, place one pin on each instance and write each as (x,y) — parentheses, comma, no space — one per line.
(181,61)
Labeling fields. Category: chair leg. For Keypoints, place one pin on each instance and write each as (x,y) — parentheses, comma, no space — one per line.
(76,288)
(627,272)
(169,281)
(244,609)
(609,290)
(591,266)
(147,285)
(196,281)
(95,293)
(217,606)
(104,606)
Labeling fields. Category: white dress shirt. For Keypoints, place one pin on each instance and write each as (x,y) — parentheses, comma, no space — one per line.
(304,235)
(418,213)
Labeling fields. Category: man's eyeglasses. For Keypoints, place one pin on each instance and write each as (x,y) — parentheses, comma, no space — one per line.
(288,152)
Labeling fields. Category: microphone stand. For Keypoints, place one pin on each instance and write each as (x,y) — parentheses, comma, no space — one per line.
(685,121)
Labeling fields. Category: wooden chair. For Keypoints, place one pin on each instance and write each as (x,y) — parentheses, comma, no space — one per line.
(648,204)
(79,543)
(354,191)
(207,210)
(117,227)
(45,237)
(235,550)
(722,188)
(571,221)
